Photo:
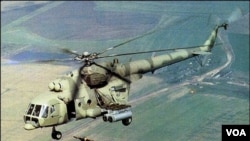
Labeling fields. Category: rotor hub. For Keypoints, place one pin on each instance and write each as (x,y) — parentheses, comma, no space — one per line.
(86,56)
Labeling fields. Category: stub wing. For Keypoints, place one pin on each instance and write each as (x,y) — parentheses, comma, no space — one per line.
(116,106)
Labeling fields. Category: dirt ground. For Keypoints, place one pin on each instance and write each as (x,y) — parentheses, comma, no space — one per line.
(19,85)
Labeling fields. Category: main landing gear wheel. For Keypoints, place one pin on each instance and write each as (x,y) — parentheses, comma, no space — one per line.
(56,134)
(127,121)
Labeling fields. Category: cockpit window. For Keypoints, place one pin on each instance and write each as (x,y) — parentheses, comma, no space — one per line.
(44,111)
(38,110)
(30,109)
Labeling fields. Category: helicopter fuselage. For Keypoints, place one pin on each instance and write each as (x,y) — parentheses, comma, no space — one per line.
(62,104)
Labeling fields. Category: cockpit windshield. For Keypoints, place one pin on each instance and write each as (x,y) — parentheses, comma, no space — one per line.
(38,110)
(44,111)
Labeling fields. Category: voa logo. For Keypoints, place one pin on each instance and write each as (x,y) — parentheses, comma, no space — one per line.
(236,132)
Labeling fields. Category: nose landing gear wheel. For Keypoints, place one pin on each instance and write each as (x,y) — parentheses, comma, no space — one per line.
(56,134)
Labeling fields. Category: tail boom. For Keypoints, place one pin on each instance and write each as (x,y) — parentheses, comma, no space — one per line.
(153,63)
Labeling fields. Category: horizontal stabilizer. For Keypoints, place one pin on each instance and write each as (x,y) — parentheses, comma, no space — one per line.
(202,53)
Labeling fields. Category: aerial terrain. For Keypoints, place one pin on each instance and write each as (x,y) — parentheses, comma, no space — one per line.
(184,101)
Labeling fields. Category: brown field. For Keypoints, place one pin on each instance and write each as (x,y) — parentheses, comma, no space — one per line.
(19,85)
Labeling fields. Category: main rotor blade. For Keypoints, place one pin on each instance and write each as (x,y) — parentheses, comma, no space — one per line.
(53,60)
(78,83)
(158,27)
(44,61)
(114,73)
(161,50)
(68,51)
(130,40)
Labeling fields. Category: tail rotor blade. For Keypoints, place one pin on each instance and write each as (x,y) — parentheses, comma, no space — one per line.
(236,14)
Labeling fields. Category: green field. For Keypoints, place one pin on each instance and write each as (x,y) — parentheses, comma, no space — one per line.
(164,107)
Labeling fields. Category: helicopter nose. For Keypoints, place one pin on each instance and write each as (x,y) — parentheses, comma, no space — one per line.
(29,126)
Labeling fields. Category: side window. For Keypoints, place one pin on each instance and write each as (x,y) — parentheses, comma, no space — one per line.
(45,111)
(52,109)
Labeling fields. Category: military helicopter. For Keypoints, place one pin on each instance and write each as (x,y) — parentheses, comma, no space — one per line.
(101,89)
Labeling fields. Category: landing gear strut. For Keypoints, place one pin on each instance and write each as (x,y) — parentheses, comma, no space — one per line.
(56,134)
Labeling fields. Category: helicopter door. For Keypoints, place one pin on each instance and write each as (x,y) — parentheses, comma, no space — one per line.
(71,110)
(50,115)
(54,114)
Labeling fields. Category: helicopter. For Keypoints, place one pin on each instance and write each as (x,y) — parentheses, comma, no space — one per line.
(101,89)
